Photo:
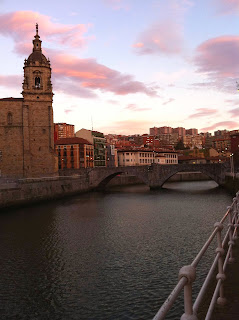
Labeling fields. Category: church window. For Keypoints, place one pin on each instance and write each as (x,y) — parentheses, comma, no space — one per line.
(9,118)
(37,82)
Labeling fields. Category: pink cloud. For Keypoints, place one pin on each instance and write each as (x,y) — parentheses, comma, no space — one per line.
(138,45)
(234,112)
(134,107)
(12,81)
(203,112)
(71,74)
(169,101)
(117,4)
(68,111)
(127,127)
(233,102)
(222,124)
(21,25)
(164,37)
(113,102)
(226,6)
(88,74)
(218,56)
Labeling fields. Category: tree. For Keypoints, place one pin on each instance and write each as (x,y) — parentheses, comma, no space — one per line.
(180,145)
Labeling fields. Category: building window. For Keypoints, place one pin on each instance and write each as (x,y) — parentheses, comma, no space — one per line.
(37,82)
(9,118)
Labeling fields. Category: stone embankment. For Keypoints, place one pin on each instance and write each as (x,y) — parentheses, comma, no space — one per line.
(25,191)
(180,176)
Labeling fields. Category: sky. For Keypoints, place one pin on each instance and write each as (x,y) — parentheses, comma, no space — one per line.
(124,66)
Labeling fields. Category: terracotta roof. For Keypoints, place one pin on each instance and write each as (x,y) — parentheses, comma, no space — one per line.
(75,140)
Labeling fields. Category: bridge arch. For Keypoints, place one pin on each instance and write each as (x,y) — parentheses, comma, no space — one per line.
(155,175)
(161,174)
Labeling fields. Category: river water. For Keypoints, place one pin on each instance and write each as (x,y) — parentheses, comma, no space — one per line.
(112,255)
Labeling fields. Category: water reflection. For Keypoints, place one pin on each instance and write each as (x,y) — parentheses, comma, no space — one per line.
(112,255)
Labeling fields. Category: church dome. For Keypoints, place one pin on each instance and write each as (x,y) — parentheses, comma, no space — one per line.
(37,57)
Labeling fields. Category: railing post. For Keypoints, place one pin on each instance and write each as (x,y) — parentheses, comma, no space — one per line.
(231,226)
(188,272)
(220,276)
(236,222)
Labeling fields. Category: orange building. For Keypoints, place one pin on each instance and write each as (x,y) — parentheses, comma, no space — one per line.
(74,153)
(63,130)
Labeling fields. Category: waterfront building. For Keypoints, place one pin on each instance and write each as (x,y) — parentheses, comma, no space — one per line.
(26,124)
(145,156)
(112,158)
(98,140)
(171,157)
(74,153)
(135,157)
(63,130)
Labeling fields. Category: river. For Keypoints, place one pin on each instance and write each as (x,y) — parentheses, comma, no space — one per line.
(112,255)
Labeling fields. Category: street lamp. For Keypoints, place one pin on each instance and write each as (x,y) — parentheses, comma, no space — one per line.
(232,165)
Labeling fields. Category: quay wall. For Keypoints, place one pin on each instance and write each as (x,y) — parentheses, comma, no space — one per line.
(232,183)
(26,191)
(180,176)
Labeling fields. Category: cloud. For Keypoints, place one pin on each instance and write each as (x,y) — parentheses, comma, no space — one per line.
(88,75)
(232,101)
(222,124)
(12,81)
(164,37)
(226,6)
(217,58)
(127,127)
(169,101)
(116,4)
(134,107)
(113,102)
(234,112)
(20,25)
(68,111)
(71,74)
(203,112)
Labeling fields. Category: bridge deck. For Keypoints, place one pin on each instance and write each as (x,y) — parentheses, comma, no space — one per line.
(231,310)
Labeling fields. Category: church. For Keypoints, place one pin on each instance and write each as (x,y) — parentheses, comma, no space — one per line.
(26,124)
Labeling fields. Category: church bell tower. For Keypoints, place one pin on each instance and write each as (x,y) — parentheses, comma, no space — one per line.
(38,127)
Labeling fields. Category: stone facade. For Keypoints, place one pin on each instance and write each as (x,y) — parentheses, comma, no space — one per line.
(26,124)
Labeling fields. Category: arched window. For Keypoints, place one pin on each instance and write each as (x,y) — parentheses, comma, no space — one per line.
(37,82)
(9,118)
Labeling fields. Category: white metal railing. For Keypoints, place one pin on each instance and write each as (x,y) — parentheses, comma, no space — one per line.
(187,274)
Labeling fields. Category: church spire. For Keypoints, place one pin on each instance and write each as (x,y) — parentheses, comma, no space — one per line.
(36,42)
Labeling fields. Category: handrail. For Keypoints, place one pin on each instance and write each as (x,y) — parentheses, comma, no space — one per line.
(187,274)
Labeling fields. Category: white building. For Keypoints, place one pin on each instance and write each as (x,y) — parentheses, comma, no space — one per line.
(142,157)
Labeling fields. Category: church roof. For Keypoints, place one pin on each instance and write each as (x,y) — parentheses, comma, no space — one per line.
(37,54)
(11,99)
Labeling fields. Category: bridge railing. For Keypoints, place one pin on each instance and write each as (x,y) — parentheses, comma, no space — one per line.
(187,274)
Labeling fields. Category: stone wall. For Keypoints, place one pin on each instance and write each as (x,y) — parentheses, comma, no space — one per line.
(26,191)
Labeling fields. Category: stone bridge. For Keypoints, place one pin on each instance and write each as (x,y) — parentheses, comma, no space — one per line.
(155,175)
